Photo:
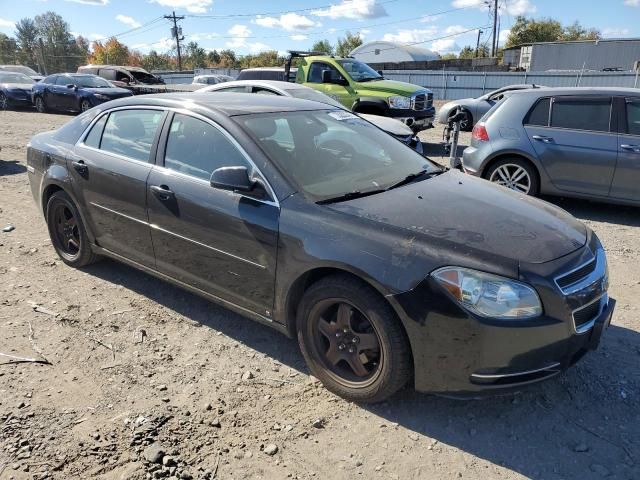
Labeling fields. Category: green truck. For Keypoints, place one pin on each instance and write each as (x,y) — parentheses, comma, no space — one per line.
(360,88)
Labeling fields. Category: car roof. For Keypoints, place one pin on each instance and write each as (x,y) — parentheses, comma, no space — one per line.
(137,69)
(274,84)
(267,69)
(544,92)
(229,104)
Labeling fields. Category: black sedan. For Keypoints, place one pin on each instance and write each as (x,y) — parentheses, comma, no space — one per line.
(385,266)
(15,90)
(73,92)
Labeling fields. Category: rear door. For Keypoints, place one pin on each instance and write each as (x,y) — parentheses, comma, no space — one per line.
(578,146)
(626,181)
(109,174)
(221,242)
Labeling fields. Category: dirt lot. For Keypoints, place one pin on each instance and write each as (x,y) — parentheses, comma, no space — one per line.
(136,362)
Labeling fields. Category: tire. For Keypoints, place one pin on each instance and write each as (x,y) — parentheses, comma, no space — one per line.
(68,234)
(84,105)
(4,103)
(515,173)
(373,333)
(41,105)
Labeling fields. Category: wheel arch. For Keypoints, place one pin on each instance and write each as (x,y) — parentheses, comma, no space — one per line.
(510,154)
(54,187)
(373,105)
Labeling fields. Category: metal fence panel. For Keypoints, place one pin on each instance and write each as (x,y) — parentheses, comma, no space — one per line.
(455,85)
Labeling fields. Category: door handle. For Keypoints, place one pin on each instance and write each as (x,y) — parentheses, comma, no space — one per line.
(80,167)
(542,138)
(162,192)
(633,148)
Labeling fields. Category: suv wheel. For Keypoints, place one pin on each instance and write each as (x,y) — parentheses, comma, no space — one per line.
(516,174)
(41,106)
(67,232)
(352,340)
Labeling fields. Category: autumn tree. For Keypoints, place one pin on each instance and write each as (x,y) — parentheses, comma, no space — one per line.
(111,52)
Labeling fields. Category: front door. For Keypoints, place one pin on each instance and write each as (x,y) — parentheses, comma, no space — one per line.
(221,242)
(109,173)
(626,181)
(578,148)
(340,92)
(65,96)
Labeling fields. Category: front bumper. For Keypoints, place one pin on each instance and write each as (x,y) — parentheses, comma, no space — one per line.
(460,354)
(418,120)
(19,98)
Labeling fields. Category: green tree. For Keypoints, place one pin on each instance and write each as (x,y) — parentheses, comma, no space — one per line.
(213,57)
(8,49)
(27,40)
(448,56)
(323,46)
(347,44)
(528,30)
(196,56)
(61,53)
(228,59)
(153,61)
(467,52)
(576,31)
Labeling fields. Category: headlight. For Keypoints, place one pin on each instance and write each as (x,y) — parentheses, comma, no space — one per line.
(399,102)
(489,295)
(102,97)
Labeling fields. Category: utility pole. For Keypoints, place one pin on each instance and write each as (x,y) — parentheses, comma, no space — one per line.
(478,43)
(495,25)
(176,32)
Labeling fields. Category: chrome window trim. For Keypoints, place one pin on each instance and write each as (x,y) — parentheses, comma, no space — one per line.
(80,143)
(597,274)
(585,327)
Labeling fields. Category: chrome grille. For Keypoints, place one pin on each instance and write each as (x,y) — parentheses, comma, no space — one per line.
(419,102)
(576,276)
(584,317)
(585,275)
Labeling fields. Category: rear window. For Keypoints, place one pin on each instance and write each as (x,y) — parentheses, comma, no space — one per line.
(539,114)
(581,114)
(70,133)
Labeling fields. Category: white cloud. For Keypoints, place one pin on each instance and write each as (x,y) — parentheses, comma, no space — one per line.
(128,20)
(511,7)
(354,9)
(298,37)
(258,47)
(632,3)
(430,18)
(411,36)
(455,29)
(504,35)
(612,32)
(445,45)
(7,23)
(197,37)
(191,6)
(98,3)
(165,43)
(240,34)
(288,22)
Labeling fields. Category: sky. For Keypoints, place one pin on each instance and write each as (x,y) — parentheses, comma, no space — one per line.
(251,26)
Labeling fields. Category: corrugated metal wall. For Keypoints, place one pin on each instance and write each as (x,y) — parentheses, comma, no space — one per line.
(589,55)
(456,85)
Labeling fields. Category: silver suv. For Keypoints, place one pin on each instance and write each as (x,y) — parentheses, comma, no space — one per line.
(574,142)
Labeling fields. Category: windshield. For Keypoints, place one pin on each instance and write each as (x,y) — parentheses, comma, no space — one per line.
(358,71)
(20,69)
(331,153)
(90,81)
(311,94)
(6,77)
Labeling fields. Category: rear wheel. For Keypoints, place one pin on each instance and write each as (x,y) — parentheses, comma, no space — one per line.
(516,174)
(67,232)
(41,106)
(352,340)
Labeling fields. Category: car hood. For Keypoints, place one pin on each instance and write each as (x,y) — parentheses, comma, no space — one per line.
(110,92)
(460,216)
(390,86)
(21,86)
(389,125)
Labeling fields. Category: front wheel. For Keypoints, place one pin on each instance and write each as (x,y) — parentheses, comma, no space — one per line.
(41,106)
(516,174)
(67,231)
(352,340)
(85,105)
(466,124)
(4,103)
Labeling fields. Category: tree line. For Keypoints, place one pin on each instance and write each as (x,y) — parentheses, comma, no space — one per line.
(46,44)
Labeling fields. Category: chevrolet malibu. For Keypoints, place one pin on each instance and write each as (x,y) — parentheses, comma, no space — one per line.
(386,267)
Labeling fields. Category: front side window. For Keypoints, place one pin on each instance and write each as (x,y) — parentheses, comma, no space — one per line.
(131,133)
(315,72)
(197,148)
(633,117)
(581,114)
(50,79)
(329,153)
(90,81)
(62,80)
(95,135)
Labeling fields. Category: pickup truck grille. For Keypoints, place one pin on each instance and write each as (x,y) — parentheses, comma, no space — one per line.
(422,101)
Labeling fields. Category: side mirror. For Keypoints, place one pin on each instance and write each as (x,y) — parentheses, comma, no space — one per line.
(235,179)
(71,85)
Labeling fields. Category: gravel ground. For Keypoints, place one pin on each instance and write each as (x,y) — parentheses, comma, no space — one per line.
(148,381)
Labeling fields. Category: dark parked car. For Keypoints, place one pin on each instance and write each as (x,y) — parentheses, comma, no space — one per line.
(74,92)
(574,142)
(29,72)
(122,76)
(15,90)
(385,266)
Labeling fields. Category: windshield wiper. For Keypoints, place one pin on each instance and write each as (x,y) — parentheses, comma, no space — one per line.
(350,196)
(413,176)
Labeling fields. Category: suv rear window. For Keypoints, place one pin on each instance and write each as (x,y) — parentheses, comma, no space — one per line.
(539,114)
(581,114)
